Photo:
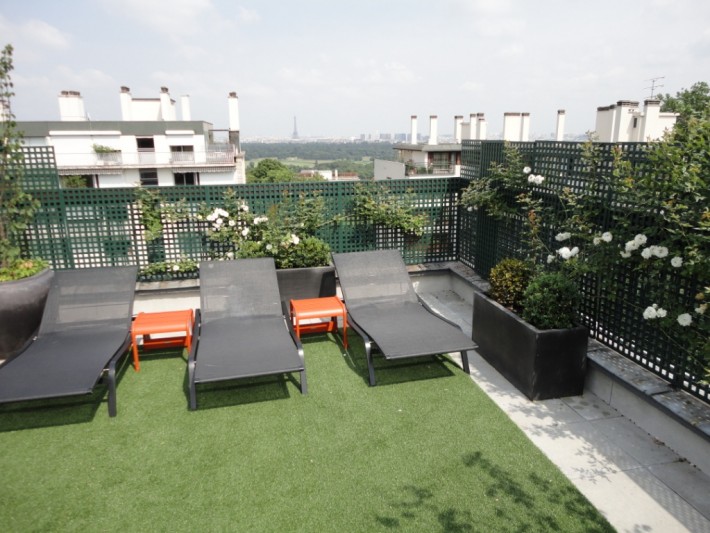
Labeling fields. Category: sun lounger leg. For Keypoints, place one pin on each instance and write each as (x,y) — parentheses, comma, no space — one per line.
(464,362)
(370,365)
(304,382)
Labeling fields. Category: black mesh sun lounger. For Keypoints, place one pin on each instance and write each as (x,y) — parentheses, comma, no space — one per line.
(241,329)
(85,330)
(385,310)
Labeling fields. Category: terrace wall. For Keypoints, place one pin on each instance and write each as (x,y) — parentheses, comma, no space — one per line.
(78,228)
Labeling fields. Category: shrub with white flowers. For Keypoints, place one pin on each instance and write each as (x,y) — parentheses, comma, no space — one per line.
(286,233)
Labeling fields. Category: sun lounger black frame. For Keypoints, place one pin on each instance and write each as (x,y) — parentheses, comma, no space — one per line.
(241,330)
(384,309)
(84,333)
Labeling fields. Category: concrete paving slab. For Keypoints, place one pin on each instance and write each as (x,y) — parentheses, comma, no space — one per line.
(635,441)
(690,483)
(591,407)
(636,501)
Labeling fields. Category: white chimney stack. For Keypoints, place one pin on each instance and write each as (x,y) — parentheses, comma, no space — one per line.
(233,103)
(126,103)
(481,127)
(413,136)
(433,131)
(167,108)
(71,106)
(185,107)
(458,122)
(560,131)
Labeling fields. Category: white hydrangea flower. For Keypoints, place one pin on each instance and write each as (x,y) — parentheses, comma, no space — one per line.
(596,241)
(176,267)
(625,254)
(640,239)
(259,220)
(550,258)
(269,247)
(631,246)
(566,253)
(527,170)
(650,313)
(701,309)
(295,239)
(245,232)
(232,223)
(661,312)
(646,253)
(245,208)
(563,236)
(660,251)
(537,180)
(685,319)
(607,236)
(677,262)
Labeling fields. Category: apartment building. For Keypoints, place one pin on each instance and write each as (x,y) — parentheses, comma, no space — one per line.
(149,146)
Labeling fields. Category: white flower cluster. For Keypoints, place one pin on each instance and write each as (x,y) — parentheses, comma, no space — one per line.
(685,319)
(217,214)
(566,253)
(634,244)
(527,170)
(536,180)
(563,236)
(260,220)
(606,237)
(658,251)
(653,311)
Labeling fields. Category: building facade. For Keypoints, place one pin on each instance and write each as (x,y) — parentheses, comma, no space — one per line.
(626,121)
(148,147)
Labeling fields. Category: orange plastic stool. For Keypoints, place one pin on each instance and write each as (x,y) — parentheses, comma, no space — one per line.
(147,324)
(329,307)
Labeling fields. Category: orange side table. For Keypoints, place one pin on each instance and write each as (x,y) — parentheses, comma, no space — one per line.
(147,324)
(329,307)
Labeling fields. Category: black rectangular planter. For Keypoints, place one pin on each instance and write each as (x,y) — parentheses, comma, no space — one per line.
(542,364)
(312,282)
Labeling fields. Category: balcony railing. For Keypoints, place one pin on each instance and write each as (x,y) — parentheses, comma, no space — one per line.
(214,155)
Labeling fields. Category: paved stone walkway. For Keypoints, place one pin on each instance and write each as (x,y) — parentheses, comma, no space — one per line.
(635,481)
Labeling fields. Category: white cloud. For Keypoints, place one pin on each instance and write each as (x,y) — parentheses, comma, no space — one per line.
(248,15)
(169,17)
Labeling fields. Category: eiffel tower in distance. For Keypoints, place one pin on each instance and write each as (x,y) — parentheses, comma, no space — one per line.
(295,129)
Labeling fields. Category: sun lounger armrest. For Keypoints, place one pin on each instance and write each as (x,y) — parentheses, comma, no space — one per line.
(292,332)
(195,340)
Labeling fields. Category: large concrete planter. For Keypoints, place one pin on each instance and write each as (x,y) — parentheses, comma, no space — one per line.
(542,364)
(21,307)
(301,283)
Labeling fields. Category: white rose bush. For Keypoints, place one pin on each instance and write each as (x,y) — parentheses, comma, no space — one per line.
(644,253)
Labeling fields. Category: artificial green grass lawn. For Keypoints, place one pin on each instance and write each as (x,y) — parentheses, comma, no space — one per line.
(425,450)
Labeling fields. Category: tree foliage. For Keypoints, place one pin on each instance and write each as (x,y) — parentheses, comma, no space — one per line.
(17,208)
(693,102)
(269,171)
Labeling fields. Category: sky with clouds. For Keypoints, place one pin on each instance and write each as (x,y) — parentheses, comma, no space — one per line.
(346,67)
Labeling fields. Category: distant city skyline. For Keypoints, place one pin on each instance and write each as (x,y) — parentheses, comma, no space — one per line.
(348,68)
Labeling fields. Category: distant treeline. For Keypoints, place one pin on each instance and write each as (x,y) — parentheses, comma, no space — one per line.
(320,151)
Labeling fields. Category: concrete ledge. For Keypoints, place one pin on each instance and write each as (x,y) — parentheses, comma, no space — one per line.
(674,417)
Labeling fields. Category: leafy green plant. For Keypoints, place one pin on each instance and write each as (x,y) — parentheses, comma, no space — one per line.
(73,182)
(287,233)
(17,207)
(378,205)
(509,280)
(170,268)
(550,301)
(101,149)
